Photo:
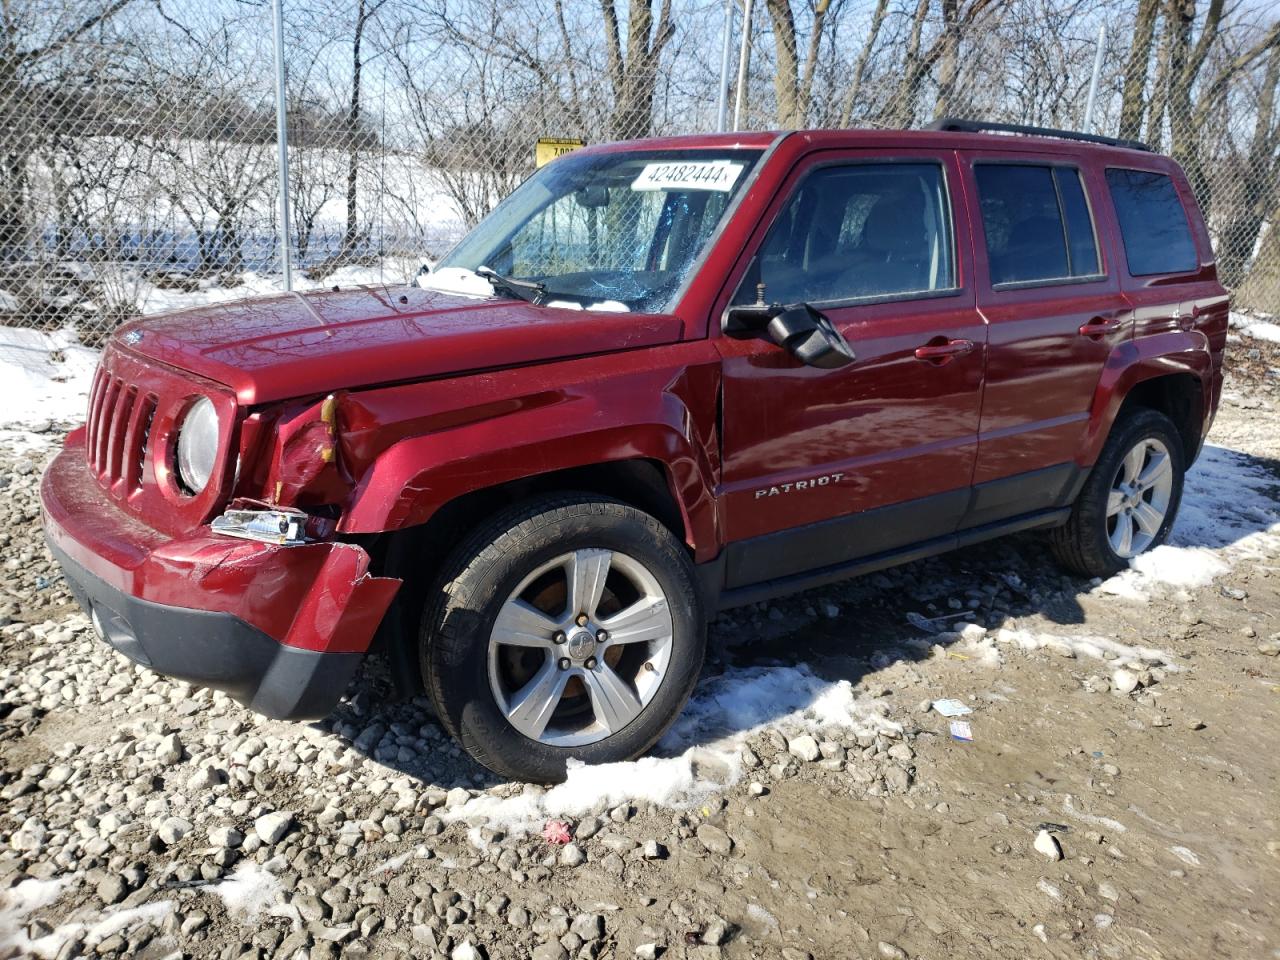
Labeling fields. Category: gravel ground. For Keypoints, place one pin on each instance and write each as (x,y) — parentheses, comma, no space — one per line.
(1118,797)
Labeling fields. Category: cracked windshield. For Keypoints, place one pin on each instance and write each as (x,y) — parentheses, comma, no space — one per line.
(612,232)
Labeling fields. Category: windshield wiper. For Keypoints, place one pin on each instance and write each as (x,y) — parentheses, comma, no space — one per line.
(529,291)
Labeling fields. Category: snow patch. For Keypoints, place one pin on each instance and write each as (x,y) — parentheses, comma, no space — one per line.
(1256,327)
(1229,512)
(46,376)
(18,902)
(703,748)
(1096,648)
(111,922)
(248,891)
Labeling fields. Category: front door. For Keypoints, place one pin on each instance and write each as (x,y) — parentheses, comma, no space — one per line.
(824,466)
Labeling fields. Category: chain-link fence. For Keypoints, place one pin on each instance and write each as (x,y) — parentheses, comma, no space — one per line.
(137,139)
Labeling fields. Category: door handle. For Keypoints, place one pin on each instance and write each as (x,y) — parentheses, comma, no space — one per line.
(940,353)
(1098,327)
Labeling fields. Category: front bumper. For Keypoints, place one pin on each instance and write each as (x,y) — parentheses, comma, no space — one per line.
(280,629)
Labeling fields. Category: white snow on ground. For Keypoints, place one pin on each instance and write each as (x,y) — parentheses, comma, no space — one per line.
(30,895)
(1097,648)
(1260,328)
(249,890)
(703,747)
(46,376)
(19,901)
(1228,513)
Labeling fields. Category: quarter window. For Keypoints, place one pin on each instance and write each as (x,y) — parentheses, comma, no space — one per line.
(858,231)
(1037,223)
(1153,225)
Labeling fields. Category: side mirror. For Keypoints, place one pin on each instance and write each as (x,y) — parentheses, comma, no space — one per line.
(802,331)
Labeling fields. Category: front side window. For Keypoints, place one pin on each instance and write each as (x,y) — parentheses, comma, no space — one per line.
(611,231)
(1037,223)
(857,231)
(1153,225)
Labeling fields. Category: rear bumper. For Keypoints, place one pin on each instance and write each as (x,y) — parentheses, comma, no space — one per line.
(280,629)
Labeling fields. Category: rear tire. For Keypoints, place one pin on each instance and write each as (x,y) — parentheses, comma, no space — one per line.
(1130,501)
(518,681)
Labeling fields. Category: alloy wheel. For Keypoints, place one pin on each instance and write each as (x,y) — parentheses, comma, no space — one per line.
(580,647)
(1138,501)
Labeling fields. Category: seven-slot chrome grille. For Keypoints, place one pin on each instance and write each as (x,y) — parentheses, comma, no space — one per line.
(119,428)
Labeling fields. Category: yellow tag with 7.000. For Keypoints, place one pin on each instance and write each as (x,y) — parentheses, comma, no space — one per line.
(548,148)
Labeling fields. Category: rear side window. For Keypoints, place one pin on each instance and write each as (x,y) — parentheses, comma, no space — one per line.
(858,231)
(1037,223)
(1157,236)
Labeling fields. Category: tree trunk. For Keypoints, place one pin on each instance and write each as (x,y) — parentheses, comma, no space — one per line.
(949,61)
(633,73)
(903,108)
(860,66)
(1258,189)
(353,131)
(1133,101)
(785,84)
(1261,288)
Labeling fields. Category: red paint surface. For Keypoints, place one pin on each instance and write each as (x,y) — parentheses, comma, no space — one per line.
(315,597)
(439,396)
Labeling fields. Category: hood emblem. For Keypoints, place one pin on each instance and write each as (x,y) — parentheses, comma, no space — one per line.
(133,337)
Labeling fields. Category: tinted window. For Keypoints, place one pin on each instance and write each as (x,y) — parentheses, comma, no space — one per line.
(865,230)
(1157,237)
(1036,221)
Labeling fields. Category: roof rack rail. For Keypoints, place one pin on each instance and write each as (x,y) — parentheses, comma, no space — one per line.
(982,126)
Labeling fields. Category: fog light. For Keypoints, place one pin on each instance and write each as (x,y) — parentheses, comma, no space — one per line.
(281,527)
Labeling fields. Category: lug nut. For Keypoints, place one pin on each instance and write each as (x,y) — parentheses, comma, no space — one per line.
(602,636)
(564,663)
(591,663)
(559,637)
(582,620)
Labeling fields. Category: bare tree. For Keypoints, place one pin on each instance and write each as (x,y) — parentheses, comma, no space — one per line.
(1133,103)
(793,81)
(34,40)
(633,71)
(860,64)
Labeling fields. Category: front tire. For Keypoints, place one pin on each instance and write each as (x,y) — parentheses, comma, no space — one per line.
(567,627)
(1130,501)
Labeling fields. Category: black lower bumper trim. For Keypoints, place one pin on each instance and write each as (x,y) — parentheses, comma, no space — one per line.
(212,649)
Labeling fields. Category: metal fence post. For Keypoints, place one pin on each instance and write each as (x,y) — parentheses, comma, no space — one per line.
(726,42)
(744,56)
(282,142)
(1093,82)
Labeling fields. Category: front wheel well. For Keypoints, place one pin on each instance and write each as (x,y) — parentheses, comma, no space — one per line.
(416,554)
(1180,397)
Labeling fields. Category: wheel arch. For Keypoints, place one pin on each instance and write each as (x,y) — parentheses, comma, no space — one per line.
(1170,373)
(417,553)
(1180,397)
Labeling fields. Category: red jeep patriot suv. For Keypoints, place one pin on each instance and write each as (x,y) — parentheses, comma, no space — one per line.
(661,378)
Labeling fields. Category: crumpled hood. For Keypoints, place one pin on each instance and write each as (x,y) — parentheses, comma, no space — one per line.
(299,344)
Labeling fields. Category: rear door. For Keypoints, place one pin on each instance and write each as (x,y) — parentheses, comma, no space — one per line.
(822,466)
(1055,311)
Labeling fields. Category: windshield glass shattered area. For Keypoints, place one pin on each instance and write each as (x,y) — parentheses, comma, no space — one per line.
(616,231)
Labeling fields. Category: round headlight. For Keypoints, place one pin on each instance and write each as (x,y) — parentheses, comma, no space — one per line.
(198,445)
